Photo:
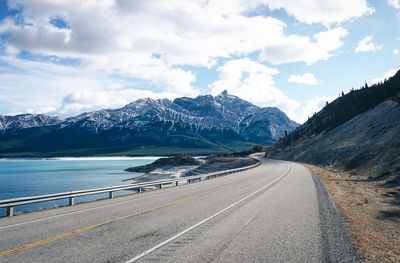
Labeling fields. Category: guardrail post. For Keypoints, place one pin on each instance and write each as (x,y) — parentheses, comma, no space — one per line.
(111,194)
(177,183)
(71,200)
(10,211)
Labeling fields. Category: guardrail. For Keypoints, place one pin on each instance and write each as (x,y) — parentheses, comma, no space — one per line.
(9,204)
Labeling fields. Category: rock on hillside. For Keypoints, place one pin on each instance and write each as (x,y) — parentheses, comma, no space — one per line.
(178,160)
(221,163)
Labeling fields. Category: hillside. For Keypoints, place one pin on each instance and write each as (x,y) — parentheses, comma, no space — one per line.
(205,124)
(357,132)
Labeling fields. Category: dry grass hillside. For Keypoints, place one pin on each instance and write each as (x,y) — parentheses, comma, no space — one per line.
(368,144)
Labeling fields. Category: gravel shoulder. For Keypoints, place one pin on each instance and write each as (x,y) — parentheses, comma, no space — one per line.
(371,209)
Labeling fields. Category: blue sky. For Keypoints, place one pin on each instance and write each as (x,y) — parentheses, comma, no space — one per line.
(68,56)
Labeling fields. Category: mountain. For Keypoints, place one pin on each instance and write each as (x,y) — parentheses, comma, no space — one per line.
(205,124)
(358,132)
(13,124)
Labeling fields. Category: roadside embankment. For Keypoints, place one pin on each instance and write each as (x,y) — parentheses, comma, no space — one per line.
(371,208)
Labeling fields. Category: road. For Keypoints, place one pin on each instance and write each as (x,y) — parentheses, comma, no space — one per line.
(276,212)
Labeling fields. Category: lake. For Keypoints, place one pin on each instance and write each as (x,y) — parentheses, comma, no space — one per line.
(30,177)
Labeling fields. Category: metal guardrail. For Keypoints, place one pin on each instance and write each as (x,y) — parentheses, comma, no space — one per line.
(9,204)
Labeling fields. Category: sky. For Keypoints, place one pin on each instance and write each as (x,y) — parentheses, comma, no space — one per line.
(65,57)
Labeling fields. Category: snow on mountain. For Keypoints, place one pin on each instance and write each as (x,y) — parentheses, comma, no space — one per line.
(223,112)
(13,124)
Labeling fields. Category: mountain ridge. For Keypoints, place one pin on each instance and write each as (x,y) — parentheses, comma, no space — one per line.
(23,121)
(202,122)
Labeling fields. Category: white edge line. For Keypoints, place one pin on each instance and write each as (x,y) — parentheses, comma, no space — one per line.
(205,220)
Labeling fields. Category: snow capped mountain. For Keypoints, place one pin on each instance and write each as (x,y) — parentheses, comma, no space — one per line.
(221,112)
(224,121)
(12,124)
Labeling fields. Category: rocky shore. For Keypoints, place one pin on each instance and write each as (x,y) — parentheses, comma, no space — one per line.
(185,165)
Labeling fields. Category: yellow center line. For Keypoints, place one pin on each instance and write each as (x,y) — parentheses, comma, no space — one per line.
(86,229)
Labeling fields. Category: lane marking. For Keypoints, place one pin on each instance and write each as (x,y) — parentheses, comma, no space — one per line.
(86,229)
(89,209)
(207,219)
(78,211)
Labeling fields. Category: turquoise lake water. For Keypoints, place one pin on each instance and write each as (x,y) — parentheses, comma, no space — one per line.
(30,177)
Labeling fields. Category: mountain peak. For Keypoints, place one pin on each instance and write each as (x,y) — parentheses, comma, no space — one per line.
(223,94)
(221,118)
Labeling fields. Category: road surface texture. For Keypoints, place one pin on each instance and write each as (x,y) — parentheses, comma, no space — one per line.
(276,212)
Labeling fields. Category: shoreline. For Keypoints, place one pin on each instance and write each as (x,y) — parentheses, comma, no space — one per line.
(161,174)
(213,164)
(94,158)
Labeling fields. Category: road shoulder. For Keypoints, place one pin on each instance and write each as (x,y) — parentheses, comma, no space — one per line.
(363,205)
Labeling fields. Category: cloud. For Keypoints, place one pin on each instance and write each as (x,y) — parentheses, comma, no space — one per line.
(394,3)
(165,34)
(303,49)
(306,78)
(66,91)
(153,43)
(396,51)
(312,106)
(38,87)
(386,75)
(365,45)
(254,82)
(326,12)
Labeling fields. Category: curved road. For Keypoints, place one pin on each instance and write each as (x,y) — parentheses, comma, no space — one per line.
(276,212)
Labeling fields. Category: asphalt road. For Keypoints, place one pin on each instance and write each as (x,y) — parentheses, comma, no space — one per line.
(276,212)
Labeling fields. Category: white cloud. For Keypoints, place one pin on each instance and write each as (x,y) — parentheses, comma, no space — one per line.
(165,34)
(306,78)
(396,51)
(366,45)
(323,11)
(152,41)
(386,75)
(84,101)
(67,91)
(254,82)
(394,3)
(312,106)
(296,48)
(55,89)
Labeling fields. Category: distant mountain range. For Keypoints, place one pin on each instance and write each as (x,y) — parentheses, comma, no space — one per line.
(358,132)
(203,124)
(13,124)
